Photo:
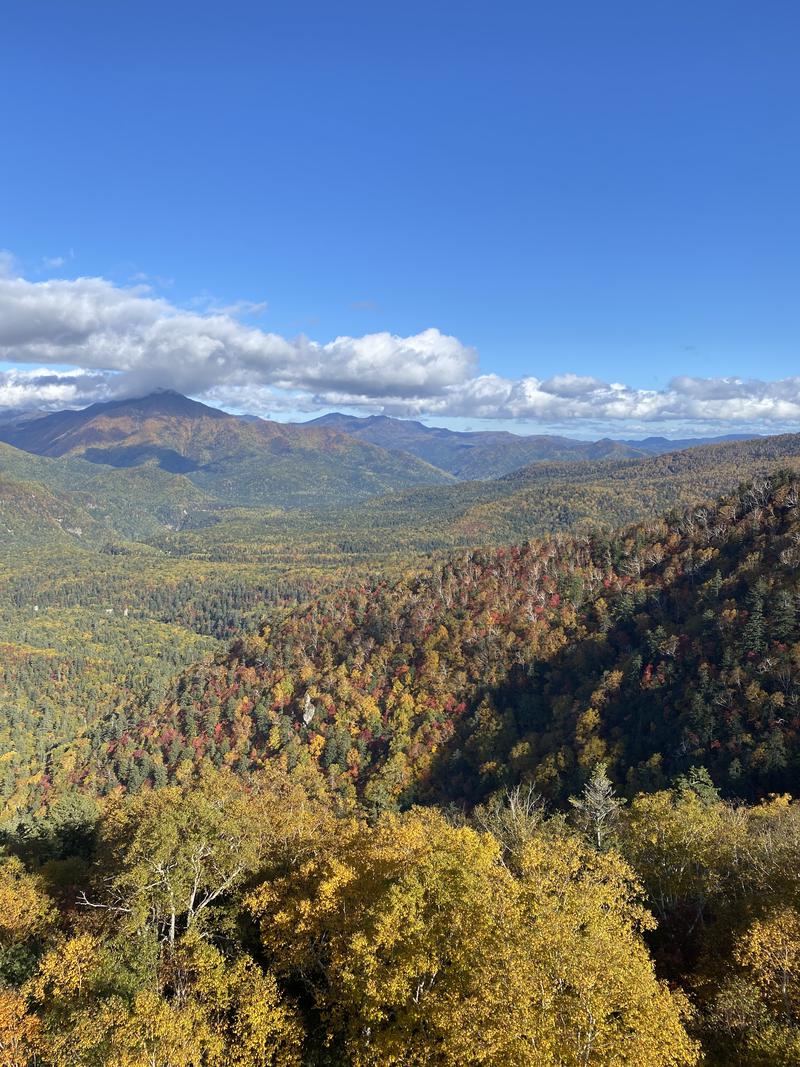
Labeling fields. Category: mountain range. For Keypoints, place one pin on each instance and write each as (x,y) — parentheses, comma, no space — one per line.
(235,460)
(479,454)
(335,458)
(169,475)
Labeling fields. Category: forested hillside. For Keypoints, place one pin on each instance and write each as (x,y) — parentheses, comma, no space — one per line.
(539,499)
(134,503)
(669,645)
(32,515)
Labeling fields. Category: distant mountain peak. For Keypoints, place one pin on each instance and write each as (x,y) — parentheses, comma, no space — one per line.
(159,402)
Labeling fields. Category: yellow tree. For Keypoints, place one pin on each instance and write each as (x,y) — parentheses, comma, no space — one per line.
(64,993)
(400,932)
(770,950)
(19,1031)
(27,918)
(197,1010)
(168,855)
(421,947)
(242,1006)
(148,1031)
(596,976)
(676,843)
(26,912)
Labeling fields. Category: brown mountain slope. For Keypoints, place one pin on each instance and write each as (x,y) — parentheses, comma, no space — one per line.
(236,460)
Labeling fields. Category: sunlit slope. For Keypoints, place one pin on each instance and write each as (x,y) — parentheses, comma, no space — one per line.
(234,460)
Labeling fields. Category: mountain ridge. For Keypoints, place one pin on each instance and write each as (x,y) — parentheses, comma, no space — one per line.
(235,460)
(480,454)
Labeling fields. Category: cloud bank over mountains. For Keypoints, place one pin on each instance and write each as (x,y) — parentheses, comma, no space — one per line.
(87,339)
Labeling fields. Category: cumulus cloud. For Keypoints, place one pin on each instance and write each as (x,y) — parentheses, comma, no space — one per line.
(147,342)
(703,401)
(121,341)
(52,388)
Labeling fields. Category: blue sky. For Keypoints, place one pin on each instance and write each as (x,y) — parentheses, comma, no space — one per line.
(578,193)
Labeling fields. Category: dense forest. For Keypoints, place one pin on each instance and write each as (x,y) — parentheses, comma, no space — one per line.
(256,919)
(495,772)
(667,645)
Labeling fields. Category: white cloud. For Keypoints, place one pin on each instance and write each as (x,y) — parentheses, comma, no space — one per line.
(51,388)
(704,401)
(119,341)
(148,342)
